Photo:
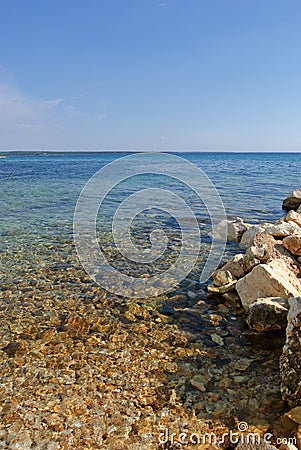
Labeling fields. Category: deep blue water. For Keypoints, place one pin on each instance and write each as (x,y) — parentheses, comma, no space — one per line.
(38,193)
(45,187)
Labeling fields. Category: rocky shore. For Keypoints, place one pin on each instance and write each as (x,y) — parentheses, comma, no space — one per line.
(266,278)
(83,369)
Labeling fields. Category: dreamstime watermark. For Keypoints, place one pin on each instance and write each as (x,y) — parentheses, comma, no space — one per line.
(169,200)
(241,435)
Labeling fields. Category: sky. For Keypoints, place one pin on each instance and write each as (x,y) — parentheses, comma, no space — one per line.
(182,75)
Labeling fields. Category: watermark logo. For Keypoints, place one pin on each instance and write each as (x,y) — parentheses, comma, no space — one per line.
(172,200)
(232,437)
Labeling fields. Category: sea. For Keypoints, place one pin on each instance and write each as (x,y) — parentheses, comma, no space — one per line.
(68,340)
(40,190)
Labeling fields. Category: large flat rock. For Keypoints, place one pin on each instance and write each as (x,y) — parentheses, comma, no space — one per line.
(268,280)
(283,229)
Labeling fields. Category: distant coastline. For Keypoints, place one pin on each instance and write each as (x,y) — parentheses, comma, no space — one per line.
(87,152)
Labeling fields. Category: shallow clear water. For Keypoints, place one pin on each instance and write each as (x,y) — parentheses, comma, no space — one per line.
(180,336)
(39,193)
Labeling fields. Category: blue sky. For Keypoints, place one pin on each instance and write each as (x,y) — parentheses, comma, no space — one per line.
(150,75)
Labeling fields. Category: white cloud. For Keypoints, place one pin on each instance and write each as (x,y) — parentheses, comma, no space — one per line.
(50,104)
(17,109)
(14,105)
(30,122)
(26,121)
(71,112)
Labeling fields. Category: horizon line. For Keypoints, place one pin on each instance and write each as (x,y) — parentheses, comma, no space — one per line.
(144,151)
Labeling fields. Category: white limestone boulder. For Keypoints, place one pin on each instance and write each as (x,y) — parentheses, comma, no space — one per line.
(268,280)
(233,229)
(283,229)
(293,216)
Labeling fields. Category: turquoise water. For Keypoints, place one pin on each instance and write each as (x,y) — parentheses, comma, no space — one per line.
(163,341)
(39,193)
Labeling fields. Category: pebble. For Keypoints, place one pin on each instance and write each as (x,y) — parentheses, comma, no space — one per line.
(78,364)
(217,339)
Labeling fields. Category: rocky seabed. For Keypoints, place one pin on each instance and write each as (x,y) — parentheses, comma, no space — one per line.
(83,369)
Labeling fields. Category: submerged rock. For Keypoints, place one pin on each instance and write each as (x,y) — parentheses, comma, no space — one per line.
(268,314)
(177,301)
(268,280)
(222,282)
(198,383)
(293,201)
(76,326)
(290,361)
(234,229)
(222,278)
(255,446)
(221,289)
(16,348)
(295,415)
